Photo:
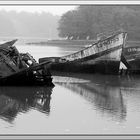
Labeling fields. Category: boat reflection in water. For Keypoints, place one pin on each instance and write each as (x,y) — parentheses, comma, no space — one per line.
(14,100)
(102,92)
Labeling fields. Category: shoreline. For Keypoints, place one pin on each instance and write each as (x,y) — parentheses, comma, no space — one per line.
(77,43)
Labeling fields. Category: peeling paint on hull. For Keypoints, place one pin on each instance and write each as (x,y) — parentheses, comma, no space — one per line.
(103,56)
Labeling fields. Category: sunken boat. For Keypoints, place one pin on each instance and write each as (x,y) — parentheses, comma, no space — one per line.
(103,56)
(21,68)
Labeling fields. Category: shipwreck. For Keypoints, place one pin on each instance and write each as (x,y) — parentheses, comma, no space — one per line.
(103,56)
(21,68)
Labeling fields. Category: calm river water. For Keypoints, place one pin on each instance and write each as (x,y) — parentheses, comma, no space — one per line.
(78,104)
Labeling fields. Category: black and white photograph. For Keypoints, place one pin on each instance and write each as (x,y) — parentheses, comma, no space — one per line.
(70,69)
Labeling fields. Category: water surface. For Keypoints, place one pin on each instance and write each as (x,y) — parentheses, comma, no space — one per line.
(78,104)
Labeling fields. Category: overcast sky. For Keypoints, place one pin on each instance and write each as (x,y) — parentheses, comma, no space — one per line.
(55,10)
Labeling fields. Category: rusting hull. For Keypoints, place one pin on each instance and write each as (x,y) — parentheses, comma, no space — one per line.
(103,56)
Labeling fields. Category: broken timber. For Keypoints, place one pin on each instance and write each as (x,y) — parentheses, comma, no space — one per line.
(29,76)
(15,68)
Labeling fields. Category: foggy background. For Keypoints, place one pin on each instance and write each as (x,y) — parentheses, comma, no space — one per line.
(80,22)
(26,24)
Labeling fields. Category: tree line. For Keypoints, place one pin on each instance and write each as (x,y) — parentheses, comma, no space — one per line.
(86,21)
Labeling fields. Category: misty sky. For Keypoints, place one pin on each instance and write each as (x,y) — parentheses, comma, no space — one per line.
(55,10)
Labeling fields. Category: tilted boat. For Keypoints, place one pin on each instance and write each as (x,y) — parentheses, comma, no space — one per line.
(103,56)
(21,68)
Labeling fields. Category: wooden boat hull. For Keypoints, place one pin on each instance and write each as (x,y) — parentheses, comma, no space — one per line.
(105,67)
(15,68)
(28,77)
(103,56)
(132,56)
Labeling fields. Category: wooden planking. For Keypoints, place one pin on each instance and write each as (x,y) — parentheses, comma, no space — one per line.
(100,46)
